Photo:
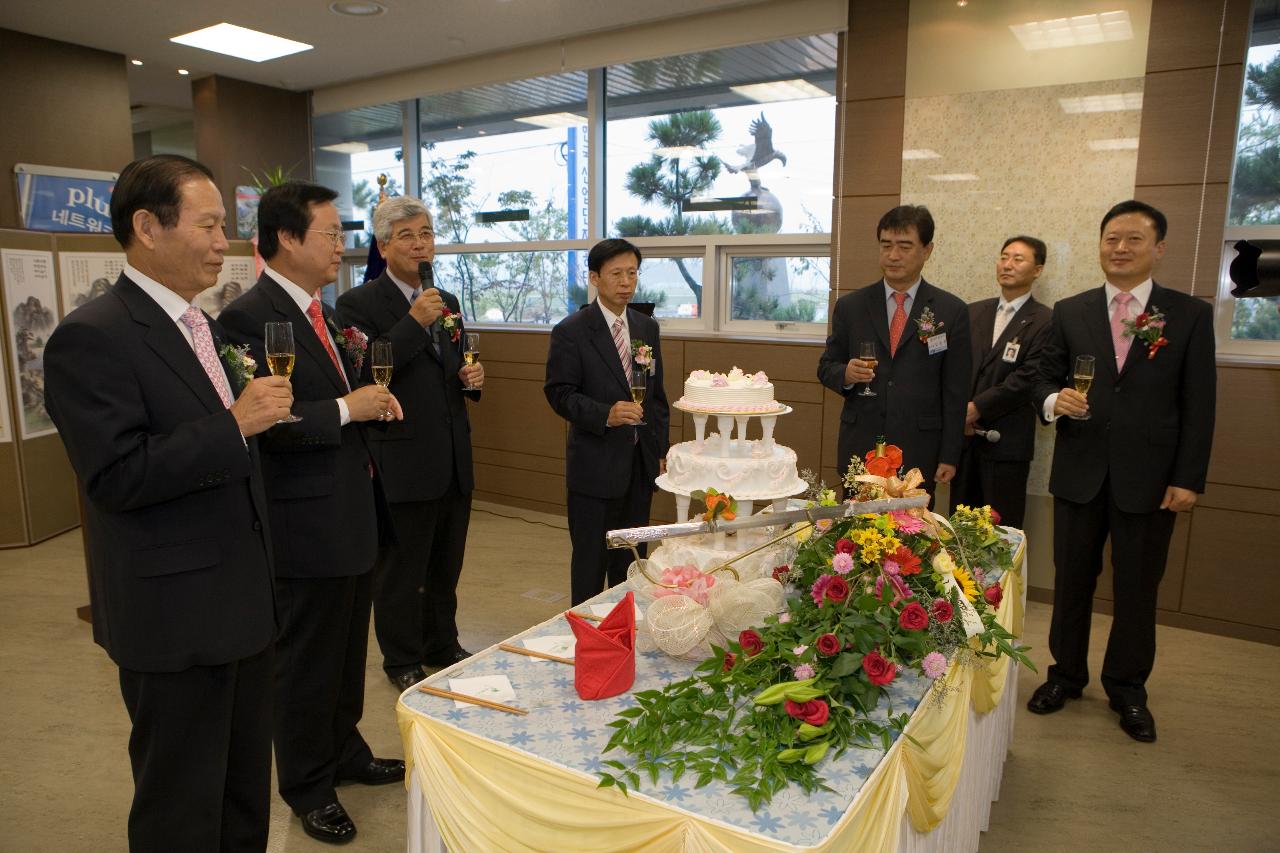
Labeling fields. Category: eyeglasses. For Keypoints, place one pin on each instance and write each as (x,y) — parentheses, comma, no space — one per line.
(335,237)
(426,235)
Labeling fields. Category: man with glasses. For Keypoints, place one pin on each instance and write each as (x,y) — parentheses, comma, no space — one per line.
(322,496)
(425,459)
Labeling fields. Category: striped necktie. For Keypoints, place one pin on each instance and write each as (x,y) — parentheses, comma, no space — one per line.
(624,348)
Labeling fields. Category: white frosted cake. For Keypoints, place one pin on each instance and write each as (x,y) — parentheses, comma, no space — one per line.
(733,392)
(753,471)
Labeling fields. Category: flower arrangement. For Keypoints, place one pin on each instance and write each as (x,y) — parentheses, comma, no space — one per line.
(1147,327)
(355,342)
(642,355)
(719,507)
(871,597)
(927,325)
(451,323)
(239,363)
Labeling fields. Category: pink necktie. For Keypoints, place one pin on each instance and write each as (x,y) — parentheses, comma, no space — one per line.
(193,318)
(899,323)
(624,349)
(1118,316)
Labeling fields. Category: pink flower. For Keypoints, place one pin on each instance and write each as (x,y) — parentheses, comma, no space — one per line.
(900,590)
(802,671)
(819,590)
(890,567)
(799,650)
(934,664)
(784,618)
(719,381)
(842,563)
(845,546)
(906,522)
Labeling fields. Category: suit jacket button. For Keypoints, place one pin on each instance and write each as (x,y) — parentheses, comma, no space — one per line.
(257,525)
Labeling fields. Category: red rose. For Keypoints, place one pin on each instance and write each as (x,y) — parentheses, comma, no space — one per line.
(908,562)
(780,573)
(844,546)
(729,660)
(814,712)
(837,590)
(828,644)
(879,671)
(751,643)
(942,611)
(913,617)
(993,594)
(995,516)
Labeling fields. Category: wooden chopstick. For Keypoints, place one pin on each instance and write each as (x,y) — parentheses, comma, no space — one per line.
(474,700)
(506,647)
(590,617)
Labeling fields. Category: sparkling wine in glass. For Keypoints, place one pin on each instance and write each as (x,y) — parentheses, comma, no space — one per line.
(280,355)
(381,364)
(1082,378)
(471,353)
(867,353)
(639,384)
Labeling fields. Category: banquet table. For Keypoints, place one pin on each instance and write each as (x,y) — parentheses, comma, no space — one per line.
(483,780)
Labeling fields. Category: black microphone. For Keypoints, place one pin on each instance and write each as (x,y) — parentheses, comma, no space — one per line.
(427,279)
(990,435)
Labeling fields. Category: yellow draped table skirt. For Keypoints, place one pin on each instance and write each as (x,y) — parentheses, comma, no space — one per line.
(472,794)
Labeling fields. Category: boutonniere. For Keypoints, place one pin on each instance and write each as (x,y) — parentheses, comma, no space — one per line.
(451,323)
(355,342)
(1147,327)
(239,363)
(927,325)
(642,354)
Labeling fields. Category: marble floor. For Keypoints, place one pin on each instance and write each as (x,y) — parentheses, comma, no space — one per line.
(1073,780)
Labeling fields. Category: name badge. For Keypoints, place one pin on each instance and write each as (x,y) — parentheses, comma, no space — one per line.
(1011,351)
(937,343)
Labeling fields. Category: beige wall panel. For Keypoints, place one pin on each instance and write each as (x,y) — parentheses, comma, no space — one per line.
(531,485)
(1175,116)
(802,432)
(832,404)
(873,142)
(526,347)
(518,460)
(1238,584)
(1181,204)
(800,392)
(877,55)
(495,369)
(1241,499)
(514,414)
(1245,452)
(856,248)
(1184,33)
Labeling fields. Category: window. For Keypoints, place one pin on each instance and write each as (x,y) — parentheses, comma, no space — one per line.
(511,286)
(352,149)
(774,292)
(1250,327)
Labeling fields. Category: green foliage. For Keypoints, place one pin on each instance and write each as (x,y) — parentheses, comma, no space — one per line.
(1256,319)
(272,176)
(1256,189)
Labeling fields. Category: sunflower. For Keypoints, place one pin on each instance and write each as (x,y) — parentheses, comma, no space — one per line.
(967,585)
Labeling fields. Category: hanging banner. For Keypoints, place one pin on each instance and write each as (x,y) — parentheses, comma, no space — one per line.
(51,198)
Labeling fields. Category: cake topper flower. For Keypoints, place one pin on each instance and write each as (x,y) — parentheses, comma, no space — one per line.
(759,379)
(720,507)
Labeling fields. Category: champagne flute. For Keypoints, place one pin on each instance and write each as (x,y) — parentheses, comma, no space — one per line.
(1082,377)
(639,384)
(381,363)
(867,353)
(280,355)
(471,354)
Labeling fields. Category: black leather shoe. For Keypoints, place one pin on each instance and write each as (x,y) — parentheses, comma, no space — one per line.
(1050,697)
(449,658)
(329,824)
(379,771)
(1136,721)
(405,680)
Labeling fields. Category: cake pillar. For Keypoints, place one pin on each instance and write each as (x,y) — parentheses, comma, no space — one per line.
(700,431)
(767,423)
(746,508)
(682,507)
(725,424)
(743,449)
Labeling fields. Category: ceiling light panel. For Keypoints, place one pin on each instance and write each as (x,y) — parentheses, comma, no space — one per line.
(1074,32)
(241,42)
(1128,143)
(1114,103)
(553,120)
(781,90)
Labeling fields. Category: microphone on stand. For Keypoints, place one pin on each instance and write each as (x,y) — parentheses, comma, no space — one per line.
(990,435)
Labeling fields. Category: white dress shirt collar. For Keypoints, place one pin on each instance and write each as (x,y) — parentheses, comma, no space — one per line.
(171,303)
(1016,304)
(610,318)
(296,293)
(409,291)
(910,291)
(1141,295)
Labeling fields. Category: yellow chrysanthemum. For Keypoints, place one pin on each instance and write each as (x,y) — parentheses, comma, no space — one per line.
(967,585)
(873,545)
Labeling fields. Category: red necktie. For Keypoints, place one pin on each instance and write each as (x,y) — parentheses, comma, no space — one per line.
(316,313)
(899,323)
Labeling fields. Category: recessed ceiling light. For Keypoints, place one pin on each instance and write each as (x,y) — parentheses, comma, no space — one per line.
(920,154)
(554,120)
(358,8)
(184,72)
(954,176)
(1128,143)
(347,147)
(781,90)
(241,42)
(1115,103)
(136,61)
(1074,32)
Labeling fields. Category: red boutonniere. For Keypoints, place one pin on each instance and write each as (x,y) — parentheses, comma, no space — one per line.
(1148,327)
(355,342)
(452,323)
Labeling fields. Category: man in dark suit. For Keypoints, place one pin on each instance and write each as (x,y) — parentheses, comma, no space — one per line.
(425,459)
(321,493)
(1008,334)
(921,373)
(615,448)
(1124,463)
(180,574)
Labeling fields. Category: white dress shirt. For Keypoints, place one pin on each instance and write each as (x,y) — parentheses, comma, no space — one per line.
(892,304)
(610,318)
(1005,311)
(303,301)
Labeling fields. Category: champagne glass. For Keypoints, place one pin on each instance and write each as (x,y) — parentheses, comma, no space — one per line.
(639,384)
(1082,377)
(280,355)
(867,353)
(471,354)
(381,362)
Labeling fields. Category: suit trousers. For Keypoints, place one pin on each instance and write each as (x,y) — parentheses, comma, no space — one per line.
(590,518)
(201,755)
(415,595)
(1139,549)
(982,480)
(320,665)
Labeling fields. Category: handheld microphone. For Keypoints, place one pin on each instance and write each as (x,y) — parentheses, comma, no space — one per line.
(427,279)
(990,435)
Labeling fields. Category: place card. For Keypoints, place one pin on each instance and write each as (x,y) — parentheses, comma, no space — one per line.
(495,688)
(560,645)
